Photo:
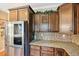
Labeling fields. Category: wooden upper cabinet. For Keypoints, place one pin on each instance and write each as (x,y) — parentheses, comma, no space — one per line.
(44,18)
(23,14)
(66,18)
(77,19)
(36,19)
(69,18)
(53,22)
(36,22)
(13,15)
(41,22)
(46,22)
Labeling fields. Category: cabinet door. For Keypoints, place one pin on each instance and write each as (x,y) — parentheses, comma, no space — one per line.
(53,22)
(65,53)
(44,18)
(44,22)
(47,51)
(23,14)
(56,25)
(13,15)
(34,50)
(77,19)
(36,22)
(59,52)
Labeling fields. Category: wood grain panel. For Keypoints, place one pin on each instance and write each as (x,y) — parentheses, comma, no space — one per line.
(13,15)
(77,19)
(65,17)
(23,14)
(47,48)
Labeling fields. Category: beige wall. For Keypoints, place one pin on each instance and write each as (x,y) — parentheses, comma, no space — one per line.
(3,18)
(3,15)
(65,17)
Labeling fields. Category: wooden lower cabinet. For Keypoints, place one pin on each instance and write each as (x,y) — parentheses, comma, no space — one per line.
(59,52)
(35,50)
(47,51)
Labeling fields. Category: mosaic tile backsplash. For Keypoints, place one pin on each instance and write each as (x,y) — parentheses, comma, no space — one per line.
(52,36)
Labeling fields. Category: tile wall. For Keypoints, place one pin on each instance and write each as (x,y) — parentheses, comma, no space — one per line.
(53,36)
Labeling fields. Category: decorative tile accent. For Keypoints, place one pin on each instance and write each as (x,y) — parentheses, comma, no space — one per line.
(53,36)
(75,39)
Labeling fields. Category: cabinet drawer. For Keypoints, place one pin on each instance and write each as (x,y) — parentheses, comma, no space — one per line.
(43,51)
(47,48)
(44,54)
(35,47)
(49,53)
(34,52)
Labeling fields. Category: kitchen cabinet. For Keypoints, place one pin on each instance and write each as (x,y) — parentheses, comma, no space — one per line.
(59,52)
(76,18)
(54,22)
(13,15)
(69,18)
(36,22)
(65,17)
(23,14)
(46,22)
(47,51)
(41,22)
(35,50)
(20,13)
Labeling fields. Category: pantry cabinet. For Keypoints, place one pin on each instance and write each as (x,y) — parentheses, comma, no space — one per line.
(47,51)
(47,22)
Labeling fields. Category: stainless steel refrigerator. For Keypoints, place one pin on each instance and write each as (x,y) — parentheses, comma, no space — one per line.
(17,38)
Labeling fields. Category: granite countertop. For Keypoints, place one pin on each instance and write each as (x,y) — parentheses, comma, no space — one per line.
(71,48)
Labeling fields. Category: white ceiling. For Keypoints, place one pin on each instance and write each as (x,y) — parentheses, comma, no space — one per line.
(35,6)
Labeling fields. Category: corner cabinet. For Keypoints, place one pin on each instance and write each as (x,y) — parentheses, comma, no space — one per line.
(69,18)
(46,22)
(47,51)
